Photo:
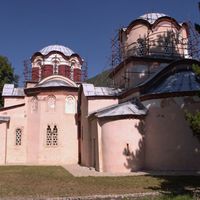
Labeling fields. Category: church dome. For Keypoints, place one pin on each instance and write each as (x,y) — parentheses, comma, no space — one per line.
(65,50)
(152,17)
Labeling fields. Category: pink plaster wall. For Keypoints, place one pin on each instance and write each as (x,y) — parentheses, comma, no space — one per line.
(15,154)
(66,152)
(33,130)
(11,101)
(3,143)
(169,141)
(84,138)
(33,149)
(89,105)
(142,31)
(98,103)
(136,72)
(116,134)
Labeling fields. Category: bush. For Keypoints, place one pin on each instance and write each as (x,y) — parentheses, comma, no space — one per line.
(194,121)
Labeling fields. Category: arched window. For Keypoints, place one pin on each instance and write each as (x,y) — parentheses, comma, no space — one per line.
(55,136)
(34,104)
(51,103)
(73,65)
(55,60)
(18,137)
(52,135)
(70,105)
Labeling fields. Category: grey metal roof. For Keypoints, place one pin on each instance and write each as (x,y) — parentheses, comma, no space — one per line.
(152,17)
(4,118)
(18,92)
(65,50)
(53,83)
(133,107)
(182,81)
(90,90)
(10,90)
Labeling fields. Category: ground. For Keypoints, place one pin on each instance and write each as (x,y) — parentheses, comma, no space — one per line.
(55,181)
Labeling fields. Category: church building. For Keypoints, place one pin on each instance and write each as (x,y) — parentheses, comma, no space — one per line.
(137,123)
(38,122)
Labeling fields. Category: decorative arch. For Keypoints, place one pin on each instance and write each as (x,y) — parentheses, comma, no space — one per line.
(56,61)
(70,104)
(34,104)
(51,103)
(57,78)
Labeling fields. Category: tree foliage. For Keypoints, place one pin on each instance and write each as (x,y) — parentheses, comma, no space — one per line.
(6,74)
(194,118)
(194,121)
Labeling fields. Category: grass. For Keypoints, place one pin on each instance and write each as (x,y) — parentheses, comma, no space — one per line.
(28,181)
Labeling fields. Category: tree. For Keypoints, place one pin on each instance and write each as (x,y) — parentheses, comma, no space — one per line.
(194,118)
(6,75)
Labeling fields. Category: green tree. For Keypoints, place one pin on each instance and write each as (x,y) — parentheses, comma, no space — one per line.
(194,118)
(6,75)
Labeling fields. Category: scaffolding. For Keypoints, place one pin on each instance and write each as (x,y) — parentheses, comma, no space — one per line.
(168,46)
(193,42)
(162,45)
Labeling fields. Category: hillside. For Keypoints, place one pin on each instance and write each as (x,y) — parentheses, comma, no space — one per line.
(101,80)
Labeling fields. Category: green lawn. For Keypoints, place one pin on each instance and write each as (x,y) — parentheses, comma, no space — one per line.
(28,181)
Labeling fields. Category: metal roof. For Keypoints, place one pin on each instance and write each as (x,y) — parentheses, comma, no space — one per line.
(53,83)
(152,17)
(90,90)
(133,107)
(181,81)
(4,118)
(10,90)
(65,50)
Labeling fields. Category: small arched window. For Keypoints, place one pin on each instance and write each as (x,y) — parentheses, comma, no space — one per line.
(39,63)
(18,137)
(34,104)
(51,103)
(56,61)
(70,105)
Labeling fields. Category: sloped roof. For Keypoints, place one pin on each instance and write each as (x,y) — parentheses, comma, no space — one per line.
(152,17)
(177,77)
(90,90)
(133,107)
(179,82)
(56,81)
(4,118)
(60,48)
(10,90)
(53,83)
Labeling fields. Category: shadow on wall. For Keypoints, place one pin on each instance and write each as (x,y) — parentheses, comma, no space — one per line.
(135,158)
(164,45)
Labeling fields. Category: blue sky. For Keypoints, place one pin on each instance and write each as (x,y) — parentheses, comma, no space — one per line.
(85,26)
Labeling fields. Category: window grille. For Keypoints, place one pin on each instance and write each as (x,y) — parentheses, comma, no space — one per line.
(52,136)
(55,136)
(18,141)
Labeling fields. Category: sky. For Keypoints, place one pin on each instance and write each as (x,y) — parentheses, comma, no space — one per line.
(85,26)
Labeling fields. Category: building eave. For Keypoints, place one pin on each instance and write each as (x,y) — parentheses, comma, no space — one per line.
(12,107)
(37,90)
